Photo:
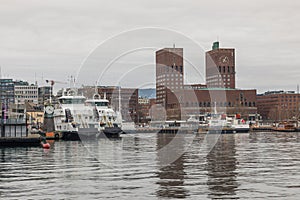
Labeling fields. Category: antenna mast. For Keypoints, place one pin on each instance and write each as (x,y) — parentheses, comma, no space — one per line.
(174,64)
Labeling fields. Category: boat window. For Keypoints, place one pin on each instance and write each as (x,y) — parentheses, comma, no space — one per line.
(71,101)
(102,103)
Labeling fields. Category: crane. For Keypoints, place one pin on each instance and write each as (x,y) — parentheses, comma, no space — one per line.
(52,82)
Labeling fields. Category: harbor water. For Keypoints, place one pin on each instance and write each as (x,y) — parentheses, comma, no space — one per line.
(156,166)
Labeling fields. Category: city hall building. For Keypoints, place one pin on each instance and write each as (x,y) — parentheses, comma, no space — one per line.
(180,101)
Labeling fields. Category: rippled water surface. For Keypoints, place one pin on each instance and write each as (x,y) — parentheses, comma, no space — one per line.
(156,166)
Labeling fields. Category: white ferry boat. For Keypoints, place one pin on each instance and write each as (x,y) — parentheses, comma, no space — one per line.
(71,115)
(76,118)
(104,119)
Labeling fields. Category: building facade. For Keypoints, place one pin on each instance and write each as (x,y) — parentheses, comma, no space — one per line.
(169,72)
(220,67)
(26,93)
(44,93)
(279,105)
(183,103)
(7,94)
(180,101)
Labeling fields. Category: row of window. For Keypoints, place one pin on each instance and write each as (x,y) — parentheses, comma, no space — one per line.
(169,75)
(26,87)
(169,79)
(25,97)
(282,97)
(227,69)
(219,104)
(290,100)
(219,81)
(172,68)
(26,92)
(178,84)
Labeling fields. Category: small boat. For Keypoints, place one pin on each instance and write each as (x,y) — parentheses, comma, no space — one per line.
(223,123)
(285,127)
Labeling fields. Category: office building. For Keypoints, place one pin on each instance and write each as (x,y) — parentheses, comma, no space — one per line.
(169,72)
(279,105)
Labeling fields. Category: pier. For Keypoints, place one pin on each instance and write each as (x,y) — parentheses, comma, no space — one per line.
(13,133)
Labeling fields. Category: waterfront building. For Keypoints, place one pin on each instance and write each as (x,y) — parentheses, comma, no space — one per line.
(183,103)
(169,72)
(279,105)
(25,92)
(35,114)
(180,101)
(144,110)
(7,91)
(220,67)
(13,94)
(142,100)
(44,93)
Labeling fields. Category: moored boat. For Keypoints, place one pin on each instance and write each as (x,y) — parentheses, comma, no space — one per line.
(285,127)
(104,118)
(70,115)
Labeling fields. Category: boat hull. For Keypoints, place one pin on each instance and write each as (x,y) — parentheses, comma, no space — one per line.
(111,132)
(229,130)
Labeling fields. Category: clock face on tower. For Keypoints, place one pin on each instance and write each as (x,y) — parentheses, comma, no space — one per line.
(224,59)
(49,110)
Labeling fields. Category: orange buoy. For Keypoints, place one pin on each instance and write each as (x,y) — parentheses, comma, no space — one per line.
(46,145)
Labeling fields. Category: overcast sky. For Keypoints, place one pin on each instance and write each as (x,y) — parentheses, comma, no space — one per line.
(51,39)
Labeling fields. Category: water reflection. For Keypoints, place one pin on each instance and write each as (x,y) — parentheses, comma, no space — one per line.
(171,177)
(221,168)
(246,166)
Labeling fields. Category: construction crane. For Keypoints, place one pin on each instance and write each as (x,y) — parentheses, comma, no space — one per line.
(52,82)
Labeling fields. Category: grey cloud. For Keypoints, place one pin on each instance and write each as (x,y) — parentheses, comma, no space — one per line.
(53,37)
